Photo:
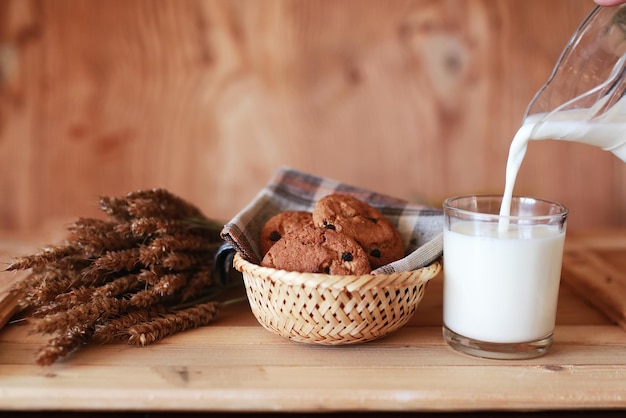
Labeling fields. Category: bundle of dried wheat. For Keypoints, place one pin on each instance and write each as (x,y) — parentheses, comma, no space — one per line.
(142,274)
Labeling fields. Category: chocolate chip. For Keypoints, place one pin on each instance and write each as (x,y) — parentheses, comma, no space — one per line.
(274,236)
(329,226)
(346,256)
(375,253)
(374,220)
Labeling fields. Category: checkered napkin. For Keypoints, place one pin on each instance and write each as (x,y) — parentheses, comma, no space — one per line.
(289,189)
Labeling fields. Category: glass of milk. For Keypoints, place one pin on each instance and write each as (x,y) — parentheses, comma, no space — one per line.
(501,285)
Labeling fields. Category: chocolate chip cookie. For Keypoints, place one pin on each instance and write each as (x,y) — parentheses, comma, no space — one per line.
(317,250)
(365,224)
(280,224)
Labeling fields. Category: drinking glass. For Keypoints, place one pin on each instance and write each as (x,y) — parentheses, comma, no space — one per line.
(501,285)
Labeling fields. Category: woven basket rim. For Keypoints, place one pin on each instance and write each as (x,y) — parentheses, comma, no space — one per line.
(340,282)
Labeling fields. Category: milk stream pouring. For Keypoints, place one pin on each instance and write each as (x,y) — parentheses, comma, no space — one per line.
(583,100)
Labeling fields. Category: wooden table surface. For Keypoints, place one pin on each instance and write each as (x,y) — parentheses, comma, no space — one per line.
(235,365)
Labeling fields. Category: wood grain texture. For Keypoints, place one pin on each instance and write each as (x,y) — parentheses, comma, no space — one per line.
(418,99)
(236,365)
(596,269)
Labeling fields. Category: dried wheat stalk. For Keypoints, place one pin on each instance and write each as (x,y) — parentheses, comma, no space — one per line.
(171,323)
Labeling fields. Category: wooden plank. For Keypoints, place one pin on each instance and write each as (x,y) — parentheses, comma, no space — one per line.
(254,346)
(595,267)
(8,307)
(315,388)
(9,249)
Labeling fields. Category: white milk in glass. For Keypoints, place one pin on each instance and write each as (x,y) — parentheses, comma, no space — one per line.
(501,282)
(500,288)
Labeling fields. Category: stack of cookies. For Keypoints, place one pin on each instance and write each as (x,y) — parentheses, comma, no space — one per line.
(342,236)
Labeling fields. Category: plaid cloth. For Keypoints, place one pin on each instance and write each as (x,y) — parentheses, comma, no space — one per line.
(420,226)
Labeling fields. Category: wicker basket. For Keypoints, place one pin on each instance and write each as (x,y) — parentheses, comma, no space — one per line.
(329,309)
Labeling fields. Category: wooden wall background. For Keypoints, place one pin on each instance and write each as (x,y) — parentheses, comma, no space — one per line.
(418,99)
